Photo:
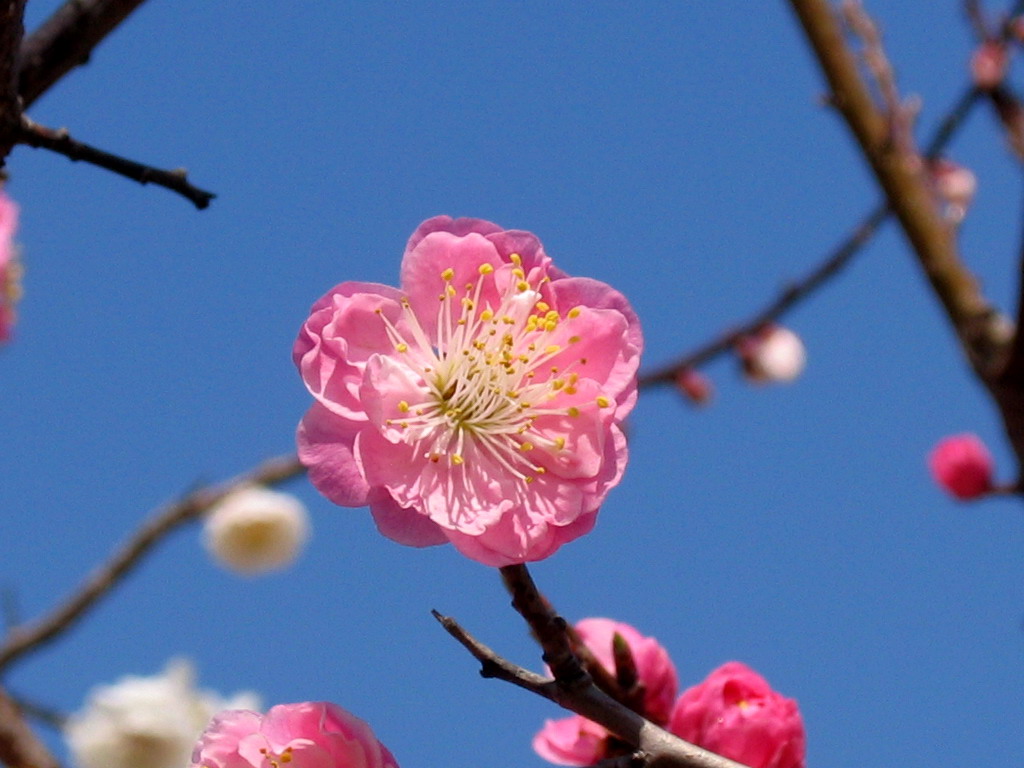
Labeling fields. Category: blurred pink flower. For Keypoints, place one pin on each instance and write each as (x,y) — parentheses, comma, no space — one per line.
(305,735)
(10,267)
(478,404)
(772,354)
(578,741)
(962,465)
(735,713)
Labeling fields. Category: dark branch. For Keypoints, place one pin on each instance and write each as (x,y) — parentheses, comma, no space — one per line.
(59,141)
(786,300)
(22,639)
(65,41)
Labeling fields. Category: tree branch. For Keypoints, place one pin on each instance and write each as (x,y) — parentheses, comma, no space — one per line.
(24,638)
(19,746)
(12,28)
(37,136)
(577,693)
(65,41)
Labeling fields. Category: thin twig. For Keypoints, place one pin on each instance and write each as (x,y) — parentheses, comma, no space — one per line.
(12,13)
(65,41)
(59,141)
(786,300)
(22,639)
(19,746)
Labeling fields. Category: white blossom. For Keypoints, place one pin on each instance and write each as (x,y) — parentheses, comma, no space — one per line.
(777,354)
(146,722)
(254,530)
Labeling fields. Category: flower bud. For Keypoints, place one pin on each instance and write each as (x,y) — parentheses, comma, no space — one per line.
(10,265)
(962,466)
(736,714)
(145,722)
(955,186)
(772,354)
(254,530)
(988,64)
(694,385)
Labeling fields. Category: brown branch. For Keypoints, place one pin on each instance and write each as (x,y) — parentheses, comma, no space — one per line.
(12,28)
(65,41)
(654,745)
(59,141)
(27,637)
(785,301)
(19,746)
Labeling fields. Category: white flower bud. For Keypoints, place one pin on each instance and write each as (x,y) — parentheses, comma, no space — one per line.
(145,722)
(255,530)
(774,354)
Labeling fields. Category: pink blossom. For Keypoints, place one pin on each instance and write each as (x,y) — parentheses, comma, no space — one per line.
(772,354)
(480,403)
(578,741)
(735,713)
(962,465)
(955,186)
(10,267)
(312,734)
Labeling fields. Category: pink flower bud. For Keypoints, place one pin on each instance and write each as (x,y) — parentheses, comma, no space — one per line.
(578,741)
(306,735)
(955,185)
(694,385)
(735,713)
(988,64)
(772,354)
(962,465)
(10,267)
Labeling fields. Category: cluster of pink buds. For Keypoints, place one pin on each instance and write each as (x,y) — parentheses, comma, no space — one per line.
(734,712)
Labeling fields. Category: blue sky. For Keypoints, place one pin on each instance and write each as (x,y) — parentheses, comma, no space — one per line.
(677,151)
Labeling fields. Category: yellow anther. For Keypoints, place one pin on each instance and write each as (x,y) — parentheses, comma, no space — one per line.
(468,303)
(539,470)
(379,311)
(583,361)
(486,315)
(550,325)
(456,459)
(522,285)
(515,258)
(526,445)
(570,390)
(531,323)
(451,290)
(528,479)
(603,402)
(403,406)
(573,411)
(553,349)
(543,306)
(559,443)
(485,269)
(402,347)
(508,320)
(574,312)
(574,339)
(518,272)
(551,315)
(557,384)
(448,274)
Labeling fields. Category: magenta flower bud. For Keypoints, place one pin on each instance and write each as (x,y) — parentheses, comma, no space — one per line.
(736,714)
(311,734)
(962,466)
(10,266)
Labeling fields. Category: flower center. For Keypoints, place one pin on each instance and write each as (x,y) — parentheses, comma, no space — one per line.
(490,372)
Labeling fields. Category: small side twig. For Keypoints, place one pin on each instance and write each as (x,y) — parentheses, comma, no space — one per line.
(24,638)
(786,300)
(37,136)
(65,41)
